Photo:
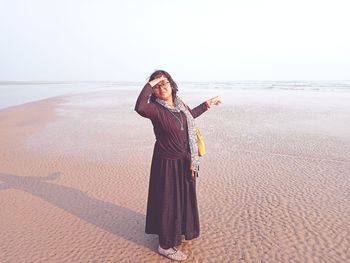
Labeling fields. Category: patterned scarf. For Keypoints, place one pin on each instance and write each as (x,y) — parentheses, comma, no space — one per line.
(181,106)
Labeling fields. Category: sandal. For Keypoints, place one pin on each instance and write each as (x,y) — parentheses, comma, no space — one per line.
(172,253)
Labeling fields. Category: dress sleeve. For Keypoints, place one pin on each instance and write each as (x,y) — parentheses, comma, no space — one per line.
(143,106)
(197,111)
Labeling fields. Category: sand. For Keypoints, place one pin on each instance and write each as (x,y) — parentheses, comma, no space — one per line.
(274,185)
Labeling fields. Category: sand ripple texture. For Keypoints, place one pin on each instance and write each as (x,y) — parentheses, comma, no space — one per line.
(274,185)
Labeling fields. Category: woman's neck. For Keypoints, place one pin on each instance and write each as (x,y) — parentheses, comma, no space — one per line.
(170,102)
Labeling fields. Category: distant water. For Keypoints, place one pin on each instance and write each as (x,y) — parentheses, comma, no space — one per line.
(281,85)
(16,93)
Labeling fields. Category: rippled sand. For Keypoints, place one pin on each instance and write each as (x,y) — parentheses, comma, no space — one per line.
(274,185)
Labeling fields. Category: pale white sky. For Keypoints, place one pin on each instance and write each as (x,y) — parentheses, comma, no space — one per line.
(198,40)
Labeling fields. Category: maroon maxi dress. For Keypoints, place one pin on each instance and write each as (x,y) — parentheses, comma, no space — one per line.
(172,208)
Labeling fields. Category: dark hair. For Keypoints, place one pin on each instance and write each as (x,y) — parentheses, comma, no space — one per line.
(157,74)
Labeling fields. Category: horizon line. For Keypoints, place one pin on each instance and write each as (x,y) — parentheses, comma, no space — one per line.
(5,82)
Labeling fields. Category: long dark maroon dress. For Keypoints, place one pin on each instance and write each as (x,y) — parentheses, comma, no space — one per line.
(172,208)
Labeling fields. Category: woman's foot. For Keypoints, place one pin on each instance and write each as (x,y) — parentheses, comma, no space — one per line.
(172,253)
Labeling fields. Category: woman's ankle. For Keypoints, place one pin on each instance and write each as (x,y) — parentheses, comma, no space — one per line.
(164,247)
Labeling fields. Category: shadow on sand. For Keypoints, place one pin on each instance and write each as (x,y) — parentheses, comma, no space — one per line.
(115,219)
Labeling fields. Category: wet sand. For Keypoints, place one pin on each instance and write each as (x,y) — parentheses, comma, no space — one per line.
(274,185)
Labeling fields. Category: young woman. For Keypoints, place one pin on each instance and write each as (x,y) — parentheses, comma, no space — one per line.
(172,201)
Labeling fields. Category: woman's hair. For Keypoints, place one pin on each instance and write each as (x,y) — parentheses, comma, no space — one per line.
(157,74)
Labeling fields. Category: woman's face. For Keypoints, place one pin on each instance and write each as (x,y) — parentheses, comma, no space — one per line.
(163,90)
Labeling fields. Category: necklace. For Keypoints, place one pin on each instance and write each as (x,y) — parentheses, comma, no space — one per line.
(181,123)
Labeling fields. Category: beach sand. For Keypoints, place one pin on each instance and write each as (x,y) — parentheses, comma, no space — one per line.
(274,185)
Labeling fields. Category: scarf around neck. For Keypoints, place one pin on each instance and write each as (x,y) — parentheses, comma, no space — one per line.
(191,128)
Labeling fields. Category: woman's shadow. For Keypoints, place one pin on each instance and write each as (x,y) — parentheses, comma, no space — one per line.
(115,219)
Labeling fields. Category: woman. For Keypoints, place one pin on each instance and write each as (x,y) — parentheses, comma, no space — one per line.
(172,201)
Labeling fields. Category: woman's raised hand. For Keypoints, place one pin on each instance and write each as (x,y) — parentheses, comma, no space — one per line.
(157,80)
(213,101)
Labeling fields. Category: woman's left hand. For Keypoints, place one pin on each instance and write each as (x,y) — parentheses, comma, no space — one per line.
(213,101)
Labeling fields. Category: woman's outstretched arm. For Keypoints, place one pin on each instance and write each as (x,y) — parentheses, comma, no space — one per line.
(201,108)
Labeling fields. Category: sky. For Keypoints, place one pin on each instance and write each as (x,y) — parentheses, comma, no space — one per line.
(207,40)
